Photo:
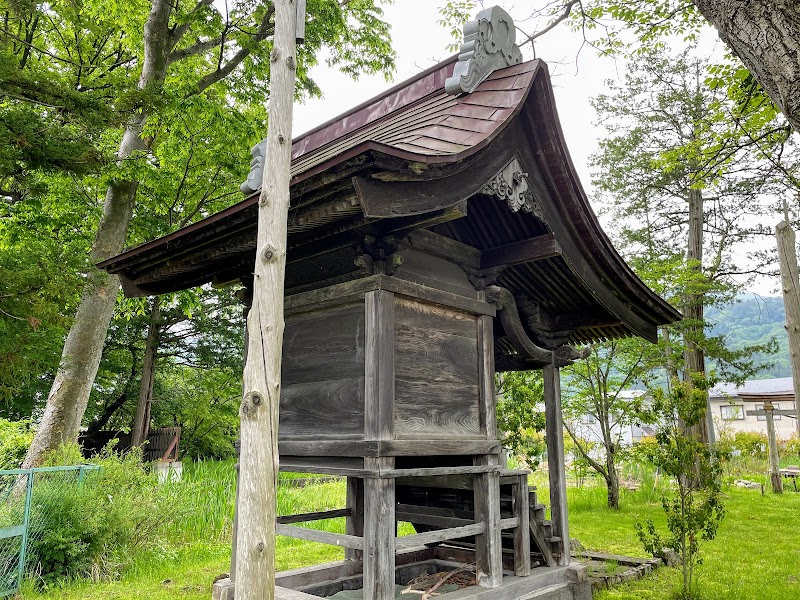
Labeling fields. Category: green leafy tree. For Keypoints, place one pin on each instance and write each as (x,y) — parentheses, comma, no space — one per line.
(695,508)
(598,407)
(520,419)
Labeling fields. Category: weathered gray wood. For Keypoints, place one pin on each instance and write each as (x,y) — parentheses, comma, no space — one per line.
(379,532)
(439,471)
(488,545)
(323,537)
(555,458)
(419,516)
(380,366)
(416,447)
(439,535)
(790,283)
(515,332)
(445,247)
(486,395)
(522,534)
(314,516)
(329,448)
(539,538)
(354,525)
(772,443)
(320,409)
(532,249)
(435,272)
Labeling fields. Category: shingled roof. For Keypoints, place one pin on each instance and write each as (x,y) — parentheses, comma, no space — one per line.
(415,153)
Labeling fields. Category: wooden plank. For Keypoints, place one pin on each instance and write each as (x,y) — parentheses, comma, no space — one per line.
(415,290)
(439,535)
(313,447)
(354,524)
(537,534)
(379,366)
(313,516)
(555,458)
(379,532)
(445,247)
(522,534)
(319,409)
(323,537)
(423,315)
(439,471)
(424,518)
(486,394)
(429,447)
(532,249)
(488,545)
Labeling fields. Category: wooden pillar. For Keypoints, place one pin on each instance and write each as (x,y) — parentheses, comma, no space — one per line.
(488,546)
(379,494)
(354,524)
(787,257)
(774,464)
(522,534)
(555,458)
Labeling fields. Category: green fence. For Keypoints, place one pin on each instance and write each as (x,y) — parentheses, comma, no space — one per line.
(23,519)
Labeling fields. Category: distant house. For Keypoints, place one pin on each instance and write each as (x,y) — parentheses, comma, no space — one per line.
(587,426)
(729,406)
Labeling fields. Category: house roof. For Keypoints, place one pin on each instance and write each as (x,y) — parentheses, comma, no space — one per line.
(417,156)
(780,386)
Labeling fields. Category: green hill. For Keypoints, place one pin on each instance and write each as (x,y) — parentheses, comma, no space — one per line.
(754,320)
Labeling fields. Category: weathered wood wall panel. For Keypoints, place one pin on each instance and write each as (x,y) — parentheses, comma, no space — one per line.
(436,367)
(323,375)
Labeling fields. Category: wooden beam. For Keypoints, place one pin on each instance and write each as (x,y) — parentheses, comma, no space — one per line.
(554,427)
(524,251)
(354,524)
(522,534)
(323,537)
(314,516)
(445,247)
(488,544)
(379,532)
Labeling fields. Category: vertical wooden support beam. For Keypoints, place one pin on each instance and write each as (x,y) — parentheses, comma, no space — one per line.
(354,524)
(235,532)
(379,365)
(379,494)
(379,531)
(488,545)
(522,534)
(772,443)
(555,458)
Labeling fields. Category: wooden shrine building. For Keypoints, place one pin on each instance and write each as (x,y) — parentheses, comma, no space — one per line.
(437,234)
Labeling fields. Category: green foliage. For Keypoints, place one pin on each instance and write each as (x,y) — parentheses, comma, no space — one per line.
(748,443)
(518,419)
(694,510)
(15,437)
(87,528)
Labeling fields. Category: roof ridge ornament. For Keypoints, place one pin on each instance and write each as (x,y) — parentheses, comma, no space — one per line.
(489,44)
(511,185)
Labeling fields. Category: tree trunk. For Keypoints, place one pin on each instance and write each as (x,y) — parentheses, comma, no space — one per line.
(258,464)
(612,480)
(83,348)
(787,255)
(694,357)
(765,35)
(141,421)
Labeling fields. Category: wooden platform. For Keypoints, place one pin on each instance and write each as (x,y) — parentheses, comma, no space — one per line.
(321,581)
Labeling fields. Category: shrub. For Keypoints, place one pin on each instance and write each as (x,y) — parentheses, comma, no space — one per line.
(15,438)
(791,447)
(90,528)
(748,443)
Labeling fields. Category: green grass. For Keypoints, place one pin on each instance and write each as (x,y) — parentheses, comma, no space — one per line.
(756,555)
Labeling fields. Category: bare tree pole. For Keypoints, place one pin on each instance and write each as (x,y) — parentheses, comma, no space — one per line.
(258,464)
(787,256)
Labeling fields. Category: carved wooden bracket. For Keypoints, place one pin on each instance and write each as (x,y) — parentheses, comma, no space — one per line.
(511,186)
(483,278)
(380,255)
(489,44)
(256,176)
(566,355)
(515,332)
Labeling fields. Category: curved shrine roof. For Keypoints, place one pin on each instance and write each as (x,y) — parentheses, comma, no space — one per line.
(415,153)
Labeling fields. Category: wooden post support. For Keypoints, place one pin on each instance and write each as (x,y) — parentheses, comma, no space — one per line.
(522,534)
(258,463)
(787,257)
(379,532)
(555,458)
(489,544)
(774,465)
(354,524)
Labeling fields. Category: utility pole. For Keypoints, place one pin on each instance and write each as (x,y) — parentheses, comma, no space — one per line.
(258,464)
(787,256)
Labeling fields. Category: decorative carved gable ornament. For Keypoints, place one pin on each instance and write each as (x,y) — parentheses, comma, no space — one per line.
(256,176)
(511,186)
(488,45)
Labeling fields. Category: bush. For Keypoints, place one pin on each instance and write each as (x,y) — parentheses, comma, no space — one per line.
(15,438)
(791,447)
(748,444)
(91,528)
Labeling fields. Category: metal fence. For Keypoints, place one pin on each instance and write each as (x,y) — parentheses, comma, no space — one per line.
(26,507)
